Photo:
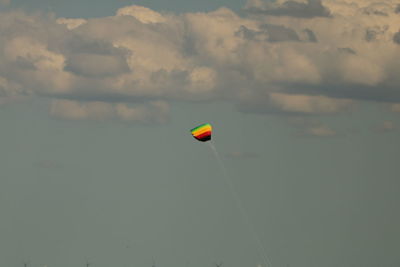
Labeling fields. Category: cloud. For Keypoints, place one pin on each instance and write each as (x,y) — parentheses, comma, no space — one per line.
(295,8)
(143,14)
(291,104)
(153,112)
(277,33)
(310,35)
(311,127)
(269,32)
(295,58)
(396,37)
(93,65)
(71,23)
(386,126)
(394,107)
(320,131)
(309,104)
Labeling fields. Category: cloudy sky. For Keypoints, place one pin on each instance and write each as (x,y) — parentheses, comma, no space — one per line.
(97,163)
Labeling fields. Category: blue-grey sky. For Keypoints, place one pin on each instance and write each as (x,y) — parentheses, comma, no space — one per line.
(87,8)
(97,162)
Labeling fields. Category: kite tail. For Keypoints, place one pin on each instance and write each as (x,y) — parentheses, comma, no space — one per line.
(228,181)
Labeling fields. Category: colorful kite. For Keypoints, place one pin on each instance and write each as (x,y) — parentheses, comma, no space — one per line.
(202,132)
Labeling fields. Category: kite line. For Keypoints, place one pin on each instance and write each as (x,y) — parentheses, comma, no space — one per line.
(228,181)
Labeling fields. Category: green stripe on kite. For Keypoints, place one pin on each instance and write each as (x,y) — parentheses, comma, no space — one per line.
(202,132)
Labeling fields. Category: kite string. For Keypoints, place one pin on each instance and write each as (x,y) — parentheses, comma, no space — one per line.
(245,217)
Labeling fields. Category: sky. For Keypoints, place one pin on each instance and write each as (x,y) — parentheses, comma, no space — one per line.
(97,164)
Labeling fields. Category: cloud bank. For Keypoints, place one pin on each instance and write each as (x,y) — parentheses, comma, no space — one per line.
(295,57)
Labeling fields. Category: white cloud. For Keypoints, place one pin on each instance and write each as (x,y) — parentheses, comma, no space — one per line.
(309,104)
(143,14)
(73,110)
(202,79)
(153,112)
(386,126)
(321,131)
(9,88)
(364,7)
(395,107)
(71,23)
(34,52)
(292,57)
(311,127)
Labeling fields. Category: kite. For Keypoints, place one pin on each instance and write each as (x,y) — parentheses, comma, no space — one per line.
(202,132)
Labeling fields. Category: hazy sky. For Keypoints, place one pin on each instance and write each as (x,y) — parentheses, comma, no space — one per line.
(97,162)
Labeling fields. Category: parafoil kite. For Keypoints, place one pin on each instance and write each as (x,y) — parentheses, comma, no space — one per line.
(202,132)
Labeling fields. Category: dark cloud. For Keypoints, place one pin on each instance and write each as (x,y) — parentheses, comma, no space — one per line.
(396,38)
(246,33)
(375,12)
(25,64)
(313,8)
(278,33)
(372,34)
(347,50)
(95,65)
(311,36)
(93,57)
(269,32)
(379,8)
(76,43)
(397,9)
